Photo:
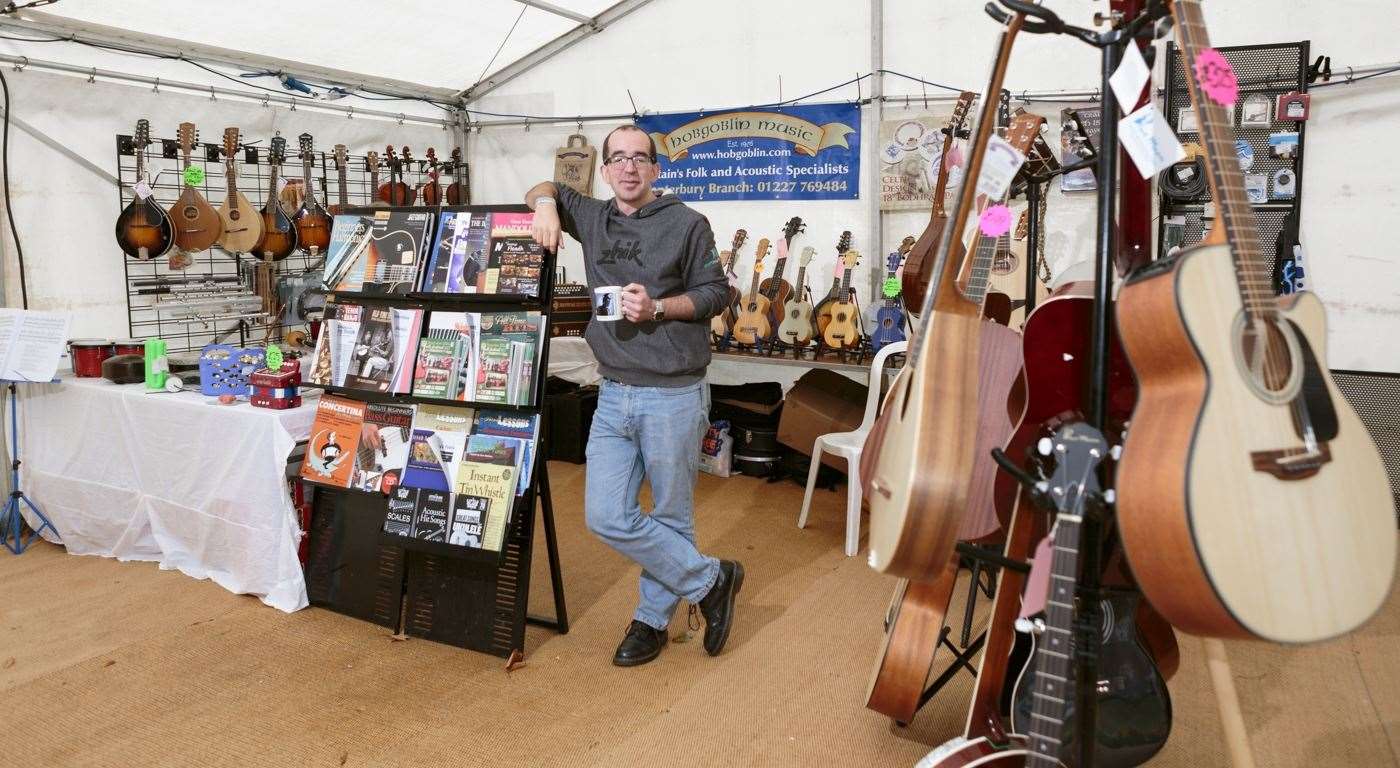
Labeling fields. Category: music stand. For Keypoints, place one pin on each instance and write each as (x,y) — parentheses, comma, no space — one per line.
(11,521)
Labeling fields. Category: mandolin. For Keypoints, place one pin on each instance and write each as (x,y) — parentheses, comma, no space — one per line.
(372,165)
(797,327)
(279,231)
(430,192)
(197,223)
(313,223)
(820,312)
(394,191)
(751,324)
(918,268)
(144,231)
(243,227)
(843,328)
(342,166)
(722,325)
(1252,502)
(889,320)
(457,191)
(776,288)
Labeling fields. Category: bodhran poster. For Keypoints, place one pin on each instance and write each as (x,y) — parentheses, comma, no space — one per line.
(910,151)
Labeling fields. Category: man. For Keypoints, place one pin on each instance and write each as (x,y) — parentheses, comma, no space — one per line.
(653,408)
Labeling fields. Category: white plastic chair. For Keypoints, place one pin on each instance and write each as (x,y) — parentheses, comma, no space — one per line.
(849,445)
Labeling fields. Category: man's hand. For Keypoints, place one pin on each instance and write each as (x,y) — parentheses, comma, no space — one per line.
(637,306)
(545,230)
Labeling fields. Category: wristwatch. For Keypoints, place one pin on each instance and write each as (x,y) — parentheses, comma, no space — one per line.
(658,311)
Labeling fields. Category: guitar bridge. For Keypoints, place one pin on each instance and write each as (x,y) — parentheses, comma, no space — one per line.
(1292,463)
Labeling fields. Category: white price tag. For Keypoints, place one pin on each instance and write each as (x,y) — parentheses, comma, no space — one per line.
(1128,79)
(281,184)
(142,190)
(1149,141)
(999,167)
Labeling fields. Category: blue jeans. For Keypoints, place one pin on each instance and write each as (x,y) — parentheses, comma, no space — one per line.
(653,432)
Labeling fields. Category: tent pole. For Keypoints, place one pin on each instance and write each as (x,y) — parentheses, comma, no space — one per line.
(876,258)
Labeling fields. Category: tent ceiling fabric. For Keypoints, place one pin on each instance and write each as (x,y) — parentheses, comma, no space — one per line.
(424,41)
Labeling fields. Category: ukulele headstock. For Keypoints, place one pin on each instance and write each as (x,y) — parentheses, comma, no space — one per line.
(1024,131)
(277,153)
(230,142)
(759,254)
(342,157)
(739,237)
(844,243)
(850,259)
(960,110)
(793,226)
(893,261)
(808,254)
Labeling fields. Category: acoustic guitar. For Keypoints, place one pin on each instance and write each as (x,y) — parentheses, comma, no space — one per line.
(144,231)
(797,327)
(889,320)
(457,190)
(821,314)
(1252,501)
(776,288)
(722,325)
(918,268)
(843,328)
(1009,273)
(279,231)
(751,324)
(395,191)
(313,223)
(197,223)
(430,192)
(372,165)
(243,227)
(342,167)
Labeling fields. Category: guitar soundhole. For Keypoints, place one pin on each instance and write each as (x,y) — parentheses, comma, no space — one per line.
(233,215)
(189,212)
(1005,264)
(1267,353)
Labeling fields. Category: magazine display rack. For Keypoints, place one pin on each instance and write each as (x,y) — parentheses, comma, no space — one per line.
(470,598)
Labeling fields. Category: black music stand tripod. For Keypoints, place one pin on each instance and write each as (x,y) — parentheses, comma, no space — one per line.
(12,523)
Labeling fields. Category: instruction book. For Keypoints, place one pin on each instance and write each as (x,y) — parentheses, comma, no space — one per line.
(31,343)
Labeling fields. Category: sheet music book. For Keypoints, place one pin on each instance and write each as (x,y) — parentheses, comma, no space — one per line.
(31,343)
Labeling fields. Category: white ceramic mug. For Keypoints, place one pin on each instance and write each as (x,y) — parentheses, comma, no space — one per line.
(607,303)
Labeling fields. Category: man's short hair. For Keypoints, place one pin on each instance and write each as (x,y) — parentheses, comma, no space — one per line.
(629,127)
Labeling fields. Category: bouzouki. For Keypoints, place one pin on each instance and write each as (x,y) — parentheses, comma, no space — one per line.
(431,192)
(776,288)
(376,190)
(144,231)
(342,166)
(197,223)
(279,231)
(457,190)
(1252,502)
(918,268)
(843,329)
(751,324)
(722,325)
(889,319)
(822,311)
(243,227)
(313,223)
(796,329)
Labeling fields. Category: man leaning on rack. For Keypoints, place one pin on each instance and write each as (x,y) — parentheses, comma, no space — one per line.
(653,407)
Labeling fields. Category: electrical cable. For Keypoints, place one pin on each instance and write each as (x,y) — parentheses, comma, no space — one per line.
(502,46)
(5,179)
(1185,180)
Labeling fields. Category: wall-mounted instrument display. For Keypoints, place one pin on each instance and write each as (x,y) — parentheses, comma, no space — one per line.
(457,191)
(243,227)
(144,231)
(797,327)
(918,267)
(197,223)
(430,192)
(843,326)
(751,325)
(279,231)
(394,191)
(1252,501)
(313,223)
(722,325)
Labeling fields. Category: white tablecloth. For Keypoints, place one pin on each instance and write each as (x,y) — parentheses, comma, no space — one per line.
(173,478)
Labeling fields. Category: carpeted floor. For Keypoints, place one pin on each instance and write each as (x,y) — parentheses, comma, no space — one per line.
(120,664)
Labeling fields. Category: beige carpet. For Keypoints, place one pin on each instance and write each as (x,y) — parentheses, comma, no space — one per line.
(120,664)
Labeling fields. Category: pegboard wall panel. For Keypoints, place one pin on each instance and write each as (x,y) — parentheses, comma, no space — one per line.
(1374,396)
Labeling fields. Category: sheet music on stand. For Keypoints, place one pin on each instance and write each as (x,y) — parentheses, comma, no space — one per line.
(31,343)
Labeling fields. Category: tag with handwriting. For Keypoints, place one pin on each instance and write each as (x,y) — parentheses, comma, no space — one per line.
(142,190)
(999,167)
(1149,141)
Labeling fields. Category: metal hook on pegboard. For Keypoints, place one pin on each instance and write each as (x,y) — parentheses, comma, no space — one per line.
(92,76)
(401,116)
(349,112)
(156,88)
(212,97)
(22,63)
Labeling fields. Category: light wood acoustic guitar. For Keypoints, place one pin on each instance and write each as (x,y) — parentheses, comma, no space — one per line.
(197,223)
(1252,502)
(243,227)
(751,324)
(797,327)
(843,328)
(722,324)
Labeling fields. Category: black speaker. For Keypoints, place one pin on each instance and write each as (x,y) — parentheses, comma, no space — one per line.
(570,417)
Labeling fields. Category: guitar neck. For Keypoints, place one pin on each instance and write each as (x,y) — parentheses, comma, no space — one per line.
(753,286)
(1054,671)
(801,281)
(310,191)
(980,273)
(272,170)
(845,294)
(776,286)
(231,172)
(340,177)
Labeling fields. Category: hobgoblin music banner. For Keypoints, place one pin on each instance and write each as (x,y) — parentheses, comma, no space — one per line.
(781,153)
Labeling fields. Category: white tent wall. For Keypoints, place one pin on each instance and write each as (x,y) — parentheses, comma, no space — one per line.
(673,58)
(65,212)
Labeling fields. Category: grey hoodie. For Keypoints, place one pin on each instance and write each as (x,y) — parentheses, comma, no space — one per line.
(668,248)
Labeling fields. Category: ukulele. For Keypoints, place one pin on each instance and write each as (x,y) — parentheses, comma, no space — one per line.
(918,268)
(843,329)
(776,288)
(1252,501)
(372,165)
(313,223)
(751,325)
(889,320)
(797,329)
(430,191)
(822,312)
(243,227)
(394,191)
(457,191)
(722,325)
(197,223)
(279,231)
(144,231)
(342,166)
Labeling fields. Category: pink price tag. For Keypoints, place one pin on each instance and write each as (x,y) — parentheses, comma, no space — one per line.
(1217,77)
(995,221)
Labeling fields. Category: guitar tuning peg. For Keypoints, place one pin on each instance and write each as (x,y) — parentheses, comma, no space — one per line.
(1044,446)
(1110,496)
(1116,452)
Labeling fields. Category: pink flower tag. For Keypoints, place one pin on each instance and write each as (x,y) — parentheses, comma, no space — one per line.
(995,221)
(1217,77)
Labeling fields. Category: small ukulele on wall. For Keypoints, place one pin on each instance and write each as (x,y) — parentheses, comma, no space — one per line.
(843,332)
(889,320)
(797,329)
(752,326)
(722,324)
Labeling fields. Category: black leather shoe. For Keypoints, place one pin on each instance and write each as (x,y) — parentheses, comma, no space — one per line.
(642,644)
(718,605)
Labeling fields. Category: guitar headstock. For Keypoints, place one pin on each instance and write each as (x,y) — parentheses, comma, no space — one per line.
(1004,108)
(1077,449)
(844,244)
(342,156)
(960,110)
(759,254)
(808,254)
(850,259)
(230,142)
(906,245)
(304,146)
(1023,224)
(371,161)
(1024,131)
(186,134)
(739,237)
(277,153)
(793,226)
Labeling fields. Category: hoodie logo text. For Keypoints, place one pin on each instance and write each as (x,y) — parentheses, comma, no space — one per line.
(622,251)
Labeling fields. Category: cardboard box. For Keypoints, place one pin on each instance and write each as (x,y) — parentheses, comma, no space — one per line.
(820,402)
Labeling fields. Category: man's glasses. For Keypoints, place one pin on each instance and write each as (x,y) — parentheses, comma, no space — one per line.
(637,161)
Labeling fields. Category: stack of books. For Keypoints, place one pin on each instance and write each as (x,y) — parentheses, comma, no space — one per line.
(370,348)
(484,253)
(484,357)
